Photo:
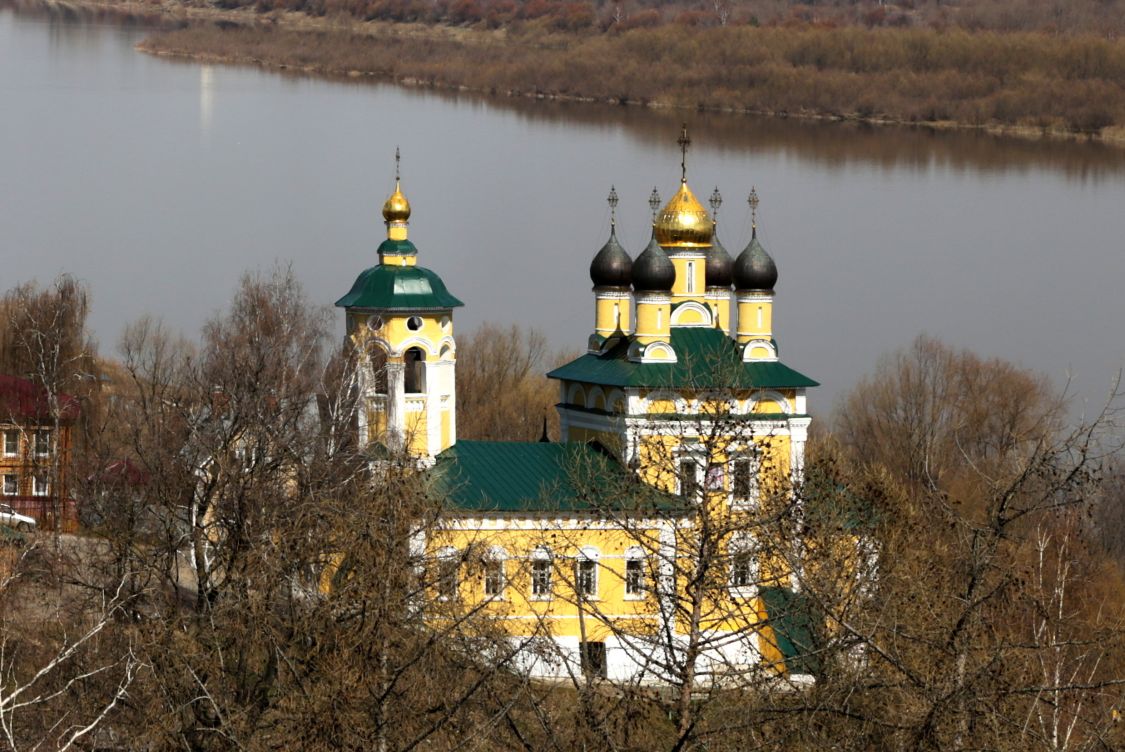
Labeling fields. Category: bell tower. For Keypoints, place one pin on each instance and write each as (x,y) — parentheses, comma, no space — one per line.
(400,324)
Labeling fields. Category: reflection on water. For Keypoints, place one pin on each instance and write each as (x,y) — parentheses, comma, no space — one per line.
(206,97)
(119,168)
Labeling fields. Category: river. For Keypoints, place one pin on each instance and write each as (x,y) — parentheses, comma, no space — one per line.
(158,183)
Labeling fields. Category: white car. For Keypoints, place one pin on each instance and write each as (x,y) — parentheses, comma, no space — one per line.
(10,518)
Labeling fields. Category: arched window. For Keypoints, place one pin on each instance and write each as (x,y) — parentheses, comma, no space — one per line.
(541,573)
(378,359)
(495,578)
(415,375)
(448,574)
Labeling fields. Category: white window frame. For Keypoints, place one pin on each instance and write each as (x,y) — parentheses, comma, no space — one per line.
(40,485)
(695,454)
(741,551)
(752,500)
(15,488)
(38,444)
(541,571)
(9,433)
(587,559)
(447,579)
(496,558)
(635,556)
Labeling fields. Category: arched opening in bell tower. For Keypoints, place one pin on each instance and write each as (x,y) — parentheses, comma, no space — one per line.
(415,371)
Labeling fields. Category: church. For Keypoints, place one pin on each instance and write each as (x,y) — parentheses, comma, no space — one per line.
(632,546)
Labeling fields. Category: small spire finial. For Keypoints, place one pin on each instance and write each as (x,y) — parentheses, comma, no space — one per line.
(612,201)
(654,203)
(716,202)
(684,143)
(398,158)
(753,201)
(545,439)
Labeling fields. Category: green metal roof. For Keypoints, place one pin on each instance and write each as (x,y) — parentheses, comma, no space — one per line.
(398,288)
(707,359)
(508,476)
(791,617)
(397,248)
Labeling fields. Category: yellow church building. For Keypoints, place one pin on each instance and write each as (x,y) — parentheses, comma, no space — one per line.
(629,548)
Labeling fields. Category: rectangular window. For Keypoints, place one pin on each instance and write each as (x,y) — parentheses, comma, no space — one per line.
(11,443)
(40,486)
(42,443)
(541,578)
(593,659)
(494,577)
(634,576)
(586,577)
(745,480)
(447,578)
(689,478)
(742,569)
(11,485)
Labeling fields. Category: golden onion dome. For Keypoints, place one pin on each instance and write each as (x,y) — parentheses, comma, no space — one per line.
(683,221)
(396,208)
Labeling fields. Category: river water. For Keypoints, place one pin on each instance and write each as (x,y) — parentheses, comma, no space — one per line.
(158,183)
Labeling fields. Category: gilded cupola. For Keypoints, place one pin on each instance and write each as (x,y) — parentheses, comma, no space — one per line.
(396,208)
(683,222)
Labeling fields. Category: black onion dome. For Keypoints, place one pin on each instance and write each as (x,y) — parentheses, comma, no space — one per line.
(754,269)
(653,270)
(720,266)
(612,266)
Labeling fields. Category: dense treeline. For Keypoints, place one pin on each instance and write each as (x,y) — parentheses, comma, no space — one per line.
(1024,80)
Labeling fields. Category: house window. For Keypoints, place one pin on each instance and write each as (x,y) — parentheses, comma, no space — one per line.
(494,576)
(743,569)
(592,655)
(447,575)
(586,577)
(541,575)
(11,485)
(634,576)
(40,486)
(689,478)
(42,443)
(11,443)
(744,480)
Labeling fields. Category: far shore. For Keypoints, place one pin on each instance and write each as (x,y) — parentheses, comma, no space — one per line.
(596,67)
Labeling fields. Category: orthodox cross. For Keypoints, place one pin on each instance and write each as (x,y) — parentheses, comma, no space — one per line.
(716,202)
(753,201)
(397,159)
(654,202)
(612,201)
(684,143)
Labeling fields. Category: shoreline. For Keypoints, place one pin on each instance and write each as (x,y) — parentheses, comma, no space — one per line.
(181,40)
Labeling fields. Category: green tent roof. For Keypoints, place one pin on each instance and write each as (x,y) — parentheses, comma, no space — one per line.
(398,288)
(791,616)
(508,476)
(707,359)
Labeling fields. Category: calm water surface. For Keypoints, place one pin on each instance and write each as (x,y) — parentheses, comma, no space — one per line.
(158,183)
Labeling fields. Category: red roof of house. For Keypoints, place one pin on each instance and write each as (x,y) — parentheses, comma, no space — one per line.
(26,400)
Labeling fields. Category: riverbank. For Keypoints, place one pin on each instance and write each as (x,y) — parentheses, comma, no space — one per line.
(1028,85)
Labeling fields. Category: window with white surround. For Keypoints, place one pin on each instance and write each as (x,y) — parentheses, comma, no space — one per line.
(494,575)
(691,277)
(11,443)
(586,573)
(690,472)
(42,443)
(743,558)
(448,574)
(40,486)
(634,573)
(541,574)
(11,484)
(744,480)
